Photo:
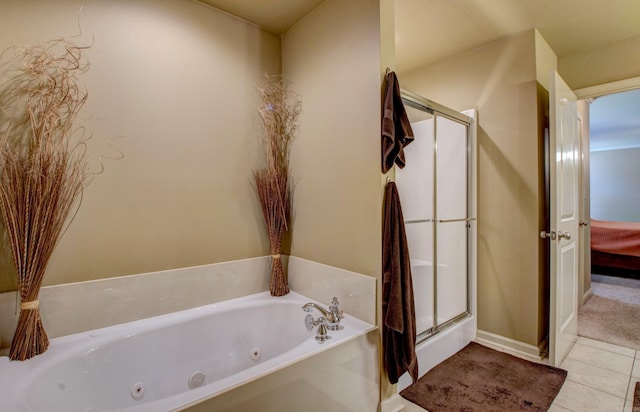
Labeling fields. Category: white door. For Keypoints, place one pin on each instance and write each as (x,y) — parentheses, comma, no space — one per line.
(564,149)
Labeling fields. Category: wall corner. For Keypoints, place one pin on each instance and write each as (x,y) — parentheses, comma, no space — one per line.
(546,59)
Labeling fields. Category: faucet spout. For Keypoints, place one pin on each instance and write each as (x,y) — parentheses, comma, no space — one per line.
(308,307)
(332,315)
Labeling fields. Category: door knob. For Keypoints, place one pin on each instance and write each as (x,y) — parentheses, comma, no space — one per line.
(565,235)
(548,235)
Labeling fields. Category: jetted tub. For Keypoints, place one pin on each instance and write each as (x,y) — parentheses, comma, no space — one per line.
(168,362)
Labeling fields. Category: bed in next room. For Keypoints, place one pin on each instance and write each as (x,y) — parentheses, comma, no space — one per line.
(615,248)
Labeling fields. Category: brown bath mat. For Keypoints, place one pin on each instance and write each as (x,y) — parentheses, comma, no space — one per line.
(636,398)
(479,379)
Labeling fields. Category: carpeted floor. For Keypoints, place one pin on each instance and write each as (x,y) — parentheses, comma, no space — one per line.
(622,289)
(610,320)
(610,315)
(482,379)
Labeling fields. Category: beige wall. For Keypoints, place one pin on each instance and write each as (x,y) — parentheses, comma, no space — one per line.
(332,58)
(604,64)
(171,85)
(499,79)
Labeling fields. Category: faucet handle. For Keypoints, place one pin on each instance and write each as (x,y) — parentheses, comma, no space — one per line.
(308,322)
(335,309)
(336,315)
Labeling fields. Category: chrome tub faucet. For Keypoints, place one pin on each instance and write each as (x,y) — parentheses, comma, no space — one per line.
(330,319)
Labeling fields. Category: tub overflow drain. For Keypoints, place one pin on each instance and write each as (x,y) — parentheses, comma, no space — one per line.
(137,391)
(197,379)
(256,354)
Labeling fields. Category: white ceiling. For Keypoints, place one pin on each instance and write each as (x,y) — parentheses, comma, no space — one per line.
(275,16)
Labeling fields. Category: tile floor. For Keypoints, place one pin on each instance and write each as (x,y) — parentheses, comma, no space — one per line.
(601,377)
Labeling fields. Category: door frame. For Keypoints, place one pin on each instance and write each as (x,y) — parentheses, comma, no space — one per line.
(607,88)
(584,206)
(588,93)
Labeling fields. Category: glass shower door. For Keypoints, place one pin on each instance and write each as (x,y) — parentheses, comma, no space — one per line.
(451,217)
(434,192)
(417,209)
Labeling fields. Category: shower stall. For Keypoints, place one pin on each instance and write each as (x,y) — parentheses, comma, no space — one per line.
(437,191)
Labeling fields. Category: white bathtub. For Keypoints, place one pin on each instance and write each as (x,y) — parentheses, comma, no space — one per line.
(148,365)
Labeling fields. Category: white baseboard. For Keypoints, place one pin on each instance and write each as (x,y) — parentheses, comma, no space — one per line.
(504,344)
(392,404)
(587,295)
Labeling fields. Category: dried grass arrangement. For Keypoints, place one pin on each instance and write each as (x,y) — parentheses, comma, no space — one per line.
(279,113)
(42,172)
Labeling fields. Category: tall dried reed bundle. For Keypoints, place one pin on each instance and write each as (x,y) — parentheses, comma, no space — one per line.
(279,113)
(42,173)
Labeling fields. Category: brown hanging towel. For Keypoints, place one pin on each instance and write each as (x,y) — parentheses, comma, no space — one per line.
(396,128)
(398,310)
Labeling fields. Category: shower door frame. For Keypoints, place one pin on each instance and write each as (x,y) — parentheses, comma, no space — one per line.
(437,110)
